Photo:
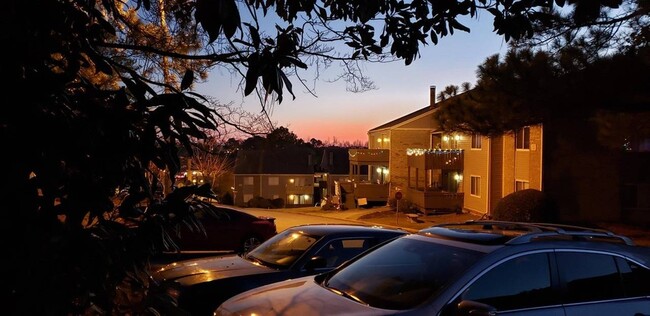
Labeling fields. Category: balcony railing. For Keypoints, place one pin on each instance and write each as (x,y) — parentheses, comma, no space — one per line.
(368,156)
(424,159)
(436,200)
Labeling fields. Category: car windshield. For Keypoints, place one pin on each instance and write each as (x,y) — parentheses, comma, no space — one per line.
(401,274)
(283,249)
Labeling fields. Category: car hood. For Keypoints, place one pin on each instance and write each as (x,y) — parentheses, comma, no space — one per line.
(194,271)
(300,296)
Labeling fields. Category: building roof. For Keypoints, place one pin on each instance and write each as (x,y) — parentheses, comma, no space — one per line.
(403,119)
(335,160)
(291,160)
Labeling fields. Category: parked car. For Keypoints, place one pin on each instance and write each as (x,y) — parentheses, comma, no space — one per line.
(227,228)
(473,268)
(198,286)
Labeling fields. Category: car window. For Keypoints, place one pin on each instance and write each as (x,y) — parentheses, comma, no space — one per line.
(603,285)
(597,280)
(521,282)
(636,279)
(216,215)
(283,249)
(402,273)
(340,250)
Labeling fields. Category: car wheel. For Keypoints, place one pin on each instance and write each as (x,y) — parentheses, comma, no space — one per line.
(250,242)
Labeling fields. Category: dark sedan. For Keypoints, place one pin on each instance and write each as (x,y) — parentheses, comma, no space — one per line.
(198,286)
(227,228)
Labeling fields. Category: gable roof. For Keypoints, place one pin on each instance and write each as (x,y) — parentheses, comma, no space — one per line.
(291,160)
(403,119)
(335,160)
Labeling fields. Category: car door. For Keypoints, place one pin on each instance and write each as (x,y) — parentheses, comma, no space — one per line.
(521,285)
(222,232)
(598,284)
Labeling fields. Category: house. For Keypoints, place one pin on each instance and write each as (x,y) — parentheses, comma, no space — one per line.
(286,174)
(564,158)
(442,172)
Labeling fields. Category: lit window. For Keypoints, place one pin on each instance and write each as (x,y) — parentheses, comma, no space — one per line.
(248,180)
(476,141)
(300,181)
(274,181)
(522,138)
(475,183)
(521,185)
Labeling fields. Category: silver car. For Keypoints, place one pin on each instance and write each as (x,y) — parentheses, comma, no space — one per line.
(474,268)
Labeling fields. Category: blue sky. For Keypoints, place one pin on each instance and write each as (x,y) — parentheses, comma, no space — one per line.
(335,114)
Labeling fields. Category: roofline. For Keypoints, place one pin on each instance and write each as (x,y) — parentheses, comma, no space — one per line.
(412,115)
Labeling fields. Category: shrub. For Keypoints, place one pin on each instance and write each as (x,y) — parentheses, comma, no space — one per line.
(405,205)
(227,199)
(528,205)
(277,203)
(259,202)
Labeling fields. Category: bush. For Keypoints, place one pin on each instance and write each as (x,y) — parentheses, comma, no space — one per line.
(405,205)
(259,202)
(528,205)
(227,199)
(277,203)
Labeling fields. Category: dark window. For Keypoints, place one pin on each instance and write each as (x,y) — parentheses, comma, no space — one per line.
(636,279)
(522,282)
(476,141)
(341,250)
(522,138)
(589,277)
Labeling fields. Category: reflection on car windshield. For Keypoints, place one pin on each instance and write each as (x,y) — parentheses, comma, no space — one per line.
(283,249)
(403,273)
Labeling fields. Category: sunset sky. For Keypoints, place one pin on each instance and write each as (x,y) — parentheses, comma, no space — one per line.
(335,114)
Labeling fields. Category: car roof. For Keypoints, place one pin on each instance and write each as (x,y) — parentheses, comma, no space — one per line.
(514,233)
(328,229)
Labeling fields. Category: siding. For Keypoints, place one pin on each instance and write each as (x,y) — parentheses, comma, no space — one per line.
(400,141)
(475,164)
(496,171)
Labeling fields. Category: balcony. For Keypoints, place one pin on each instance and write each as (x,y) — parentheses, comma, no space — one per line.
(437,201)
(372,192)
(444,159)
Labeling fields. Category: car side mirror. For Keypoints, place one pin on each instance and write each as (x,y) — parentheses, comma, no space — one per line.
(316,262)
(473,308)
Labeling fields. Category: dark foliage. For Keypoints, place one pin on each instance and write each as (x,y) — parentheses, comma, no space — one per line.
(277,203)
(528,205)
(227,199)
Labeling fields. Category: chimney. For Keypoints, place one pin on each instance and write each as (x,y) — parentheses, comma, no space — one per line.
(432,96)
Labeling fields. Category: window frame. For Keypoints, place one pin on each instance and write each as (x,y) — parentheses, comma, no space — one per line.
(475,185)
(522,138)
(524,183)
(477,141)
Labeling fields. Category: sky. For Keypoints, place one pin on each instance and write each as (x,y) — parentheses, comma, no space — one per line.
(337,115)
